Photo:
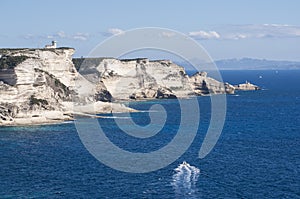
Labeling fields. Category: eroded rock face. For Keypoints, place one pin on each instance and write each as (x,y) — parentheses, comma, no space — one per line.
(101,93)
(8,112)
(42,85)
(143,79)
(203,85)
(42,80)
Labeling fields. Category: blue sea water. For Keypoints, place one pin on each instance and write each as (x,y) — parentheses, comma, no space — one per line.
(257,155)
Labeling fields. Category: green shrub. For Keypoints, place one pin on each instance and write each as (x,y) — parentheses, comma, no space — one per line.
(37,101)
(10,62)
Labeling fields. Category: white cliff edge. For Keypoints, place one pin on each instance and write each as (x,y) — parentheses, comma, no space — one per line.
(41,86)
(139,79)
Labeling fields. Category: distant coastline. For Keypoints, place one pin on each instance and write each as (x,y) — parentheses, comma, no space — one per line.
(248,64)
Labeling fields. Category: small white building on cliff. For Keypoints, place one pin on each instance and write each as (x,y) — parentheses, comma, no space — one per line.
(53,45)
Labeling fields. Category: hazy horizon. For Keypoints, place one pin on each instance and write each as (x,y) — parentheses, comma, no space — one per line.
(256,29)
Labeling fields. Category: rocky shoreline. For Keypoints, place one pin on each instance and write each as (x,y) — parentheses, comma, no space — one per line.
(45,86)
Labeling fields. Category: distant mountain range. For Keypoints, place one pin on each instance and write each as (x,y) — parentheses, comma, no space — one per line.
(256,64)
(248,64)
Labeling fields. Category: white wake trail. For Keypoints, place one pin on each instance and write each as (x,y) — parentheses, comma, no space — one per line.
(185,179)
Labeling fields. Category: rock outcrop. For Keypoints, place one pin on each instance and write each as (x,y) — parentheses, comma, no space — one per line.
(203,85)
(33,83)
(143,79)
(137,78)
(38,85)
(247,86)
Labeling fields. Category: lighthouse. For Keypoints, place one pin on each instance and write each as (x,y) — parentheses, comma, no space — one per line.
(53,45)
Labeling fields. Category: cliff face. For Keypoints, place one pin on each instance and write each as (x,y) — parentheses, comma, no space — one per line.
(43,86)
(34,83)
(144,79)
(202,85)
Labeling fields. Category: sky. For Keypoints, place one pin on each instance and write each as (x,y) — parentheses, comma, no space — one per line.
(264,29)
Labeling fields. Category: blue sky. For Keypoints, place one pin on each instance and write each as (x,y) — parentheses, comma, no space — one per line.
(227,29)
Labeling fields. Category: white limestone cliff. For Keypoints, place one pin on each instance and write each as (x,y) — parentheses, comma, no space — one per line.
(42,80)
(144,79)
(40,86)
(203,85)
(37,86)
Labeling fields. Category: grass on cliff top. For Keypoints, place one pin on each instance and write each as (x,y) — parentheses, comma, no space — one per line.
(95,61)
(53,49)
(4,51)
(9,61)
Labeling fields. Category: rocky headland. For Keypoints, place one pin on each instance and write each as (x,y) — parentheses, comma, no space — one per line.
(40,86)
(141,78)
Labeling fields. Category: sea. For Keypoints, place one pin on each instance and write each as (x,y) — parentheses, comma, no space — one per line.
(256,156)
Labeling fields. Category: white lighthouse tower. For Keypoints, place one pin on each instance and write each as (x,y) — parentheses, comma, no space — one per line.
(53,45)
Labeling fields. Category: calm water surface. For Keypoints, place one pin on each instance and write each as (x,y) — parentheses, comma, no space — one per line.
(257,156)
